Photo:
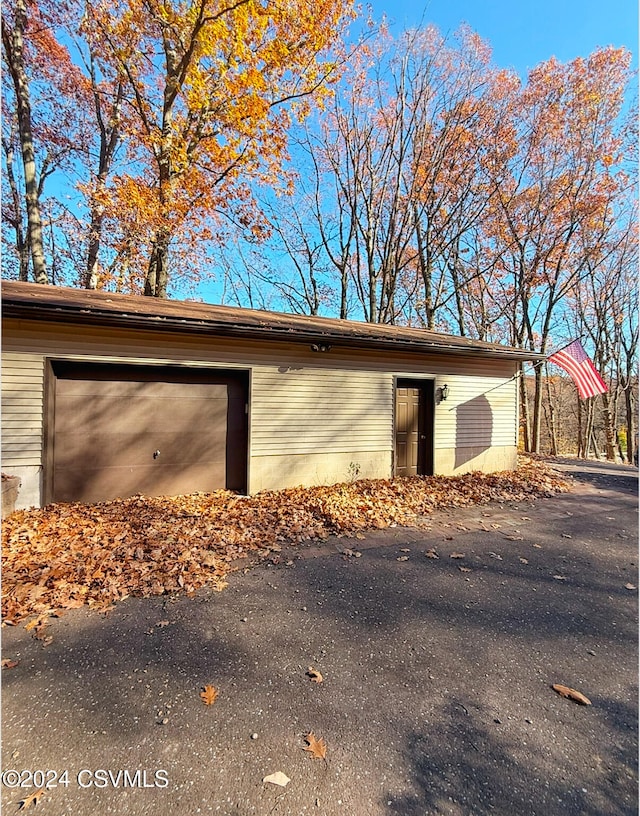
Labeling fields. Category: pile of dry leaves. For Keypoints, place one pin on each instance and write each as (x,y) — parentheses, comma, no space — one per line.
(68,555)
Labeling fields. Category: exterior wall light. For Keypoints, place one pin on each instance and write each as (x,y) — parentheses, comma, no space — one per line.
(444,392)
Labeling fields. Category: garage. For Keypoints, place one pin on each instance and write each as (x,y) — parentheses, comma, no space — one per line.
(107,395)
(118,430)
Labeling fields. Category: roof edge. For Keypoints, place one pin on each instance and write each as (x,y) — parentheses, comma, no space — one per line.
(26,301)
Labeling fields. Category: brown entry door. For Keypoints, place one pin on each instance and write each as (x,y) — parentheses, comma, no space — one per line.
(122,430)
(414,428)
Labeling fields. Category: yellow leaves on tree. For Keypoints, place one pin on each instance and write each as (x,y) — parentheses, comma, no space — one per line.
(209,86)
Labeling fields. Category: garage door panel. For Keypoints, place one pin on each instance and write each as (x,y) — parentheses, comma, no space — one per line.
(128,388)
(140,413)
(93,484)
(131,449)
(110,420)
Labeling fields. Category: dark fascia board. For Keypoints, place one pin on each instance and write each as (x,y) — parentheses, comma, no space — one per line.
(30,301)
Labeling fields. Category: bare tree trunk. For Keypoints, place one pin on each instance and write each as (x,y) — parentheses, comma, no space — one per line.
(109,137)
(609,427)
(158,270)
(590,437)
(537,409)
(551,421)
(524,410)
(22,244)
(14,49)
(631,429)
(582,437)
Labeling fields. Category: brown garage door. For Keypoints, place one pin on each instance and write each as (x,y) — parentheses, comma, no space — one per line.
(122,430)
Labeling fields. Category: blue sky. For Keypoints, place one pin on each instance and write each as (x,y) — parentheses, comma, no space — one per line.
(524,33)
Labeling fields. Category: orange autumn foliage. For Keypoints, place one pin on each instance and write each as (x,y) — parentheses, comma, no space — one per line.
(65,556)
(211,90)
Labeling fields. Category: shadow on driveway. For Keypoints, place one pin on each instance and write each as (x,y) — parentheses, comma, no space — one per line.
(437,671)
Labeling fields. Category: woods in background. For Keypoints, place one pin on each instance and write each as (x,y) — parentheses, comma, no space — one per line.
(253,151)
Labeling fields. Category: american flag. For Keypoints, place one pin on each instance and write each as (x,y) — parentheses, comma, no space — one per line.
(576,362)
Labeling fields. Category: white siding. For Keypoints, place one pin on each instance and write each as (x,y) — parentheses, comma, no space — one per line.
(22,409)
(320,411)
(479,411)
(312,416)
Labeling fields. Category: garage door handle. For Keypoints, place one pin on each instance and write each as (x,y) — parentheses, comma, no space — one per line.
(156,454)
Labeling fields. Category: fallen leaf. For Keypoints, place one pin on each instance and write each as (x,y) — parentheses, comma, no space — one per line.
(630,586)
(571,694)
(403,558)
(69,555)
(316,747)
(405,549)
(566,535)
(514,538)
(560,577)
(457,555)
(524,560)
(31,799)
(496,556)
(314,675)
(35,623)
(208,695)
(464,569)
(432,554)
(537,546)
(7,663)
(162,623)
(277,778)
(349,552)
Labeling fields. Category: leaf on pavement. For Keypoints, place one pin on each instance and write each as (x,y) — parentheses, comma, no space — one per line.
(31,799)
(208,695)
(571,694)
(465,569)
(457,555)
(70,555)
(314,674)
(7,663)
(403,558)
(630,586)
(277,778)
(349,552)
(432,554)
(316,747)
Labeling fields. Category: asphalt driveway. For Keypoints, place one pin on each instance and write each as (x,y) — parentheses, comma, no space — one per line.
(436,695)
